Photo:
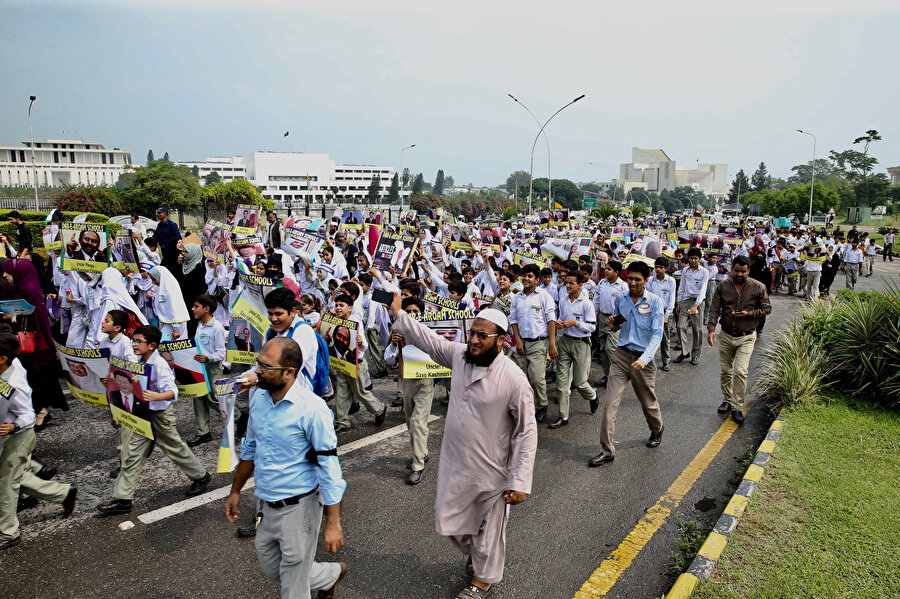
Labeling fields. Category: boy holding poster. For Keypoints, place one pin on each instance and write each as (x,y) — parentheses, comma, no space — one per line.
(161,393)
(348,388)
(211,344)
(417,394)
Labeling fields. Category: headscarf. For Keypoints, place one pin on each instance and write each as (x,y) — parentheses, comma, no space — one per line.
(115,291)
(170,307)
(193,258)
(27,286)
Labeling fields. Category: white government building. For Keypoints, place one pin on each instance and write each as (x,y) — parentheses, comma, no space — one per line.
(289,177)
(61,162)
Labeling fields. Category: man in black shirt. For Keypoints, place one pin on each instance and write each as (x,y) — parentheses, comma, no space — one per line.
(23,233)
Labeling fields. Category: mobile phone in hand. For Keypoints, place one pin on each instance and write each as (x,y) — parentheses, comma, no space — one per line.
(619,320)
(382,296)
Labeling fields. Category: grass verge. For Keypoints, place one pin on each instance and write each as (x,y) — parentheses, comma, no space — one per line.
(824,521)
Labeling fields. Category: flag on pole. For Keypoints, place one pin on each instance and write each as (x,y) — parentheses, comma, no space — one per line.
(286,133)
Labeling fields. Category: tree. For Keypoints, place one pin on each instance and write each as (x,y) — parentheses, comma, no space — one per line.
(88,198)
(858,164)
(603,210)
(591,187)
(761,179)
(448,182)
(166,157)
(741,184)
(162,183)
(212,177)
(405,178)
(394,191)
(439,183)
(374,190)
(222,196)
(195,170)
(418,185)
(822,167)
(637,210)
(522,177)
(150,157)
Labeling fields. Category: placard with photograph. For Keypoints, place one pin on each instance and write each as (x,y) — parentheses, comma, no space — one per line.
(125,396)
(85,370)
(124,252)
(85,247)
(394,252)
(215,238)
(226,392)
(190,375)
(342,336)
(247,219)
(244,341)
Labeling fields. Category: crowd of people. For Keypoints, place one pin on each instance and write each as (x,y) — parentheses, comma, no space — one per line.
(541,302)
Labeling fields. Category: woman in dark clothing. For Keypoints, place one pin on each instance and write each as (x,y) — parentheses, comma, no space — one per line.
(191,276)
(829,270)
(759,270)
(45,390)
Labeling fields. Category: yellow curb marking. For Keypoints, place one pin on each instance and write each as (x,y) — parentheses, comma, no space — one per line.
(777,425)
(754,473)
(605,577)
(736,506)
(767,446)
(714,545)
(683,587)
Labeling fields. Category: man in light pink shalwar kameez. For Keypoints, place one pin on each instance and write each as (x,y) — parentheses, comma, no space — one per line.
(489,446)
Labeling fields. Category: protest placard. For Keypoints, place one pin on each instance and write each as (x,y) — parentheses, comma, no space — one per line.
(215,239)
(299,243)
(342,336)
(247,219)
(85,247)
(124,253)
(226,392)
(394,251)
(125,395)
(84,370)
(190,375)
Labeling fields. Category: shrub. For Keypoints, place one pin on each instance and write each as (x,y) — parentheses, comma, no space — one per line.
(795,368)
(89,198)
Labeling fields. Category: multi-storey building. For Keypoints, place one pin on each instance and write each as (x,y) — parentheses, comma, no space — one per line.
(61,162)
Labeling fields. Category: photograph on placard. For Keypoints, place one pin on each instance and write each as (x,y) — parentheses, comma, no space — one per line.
(247,219)
(125,396)
(85,247)
(84,371)
(341,336)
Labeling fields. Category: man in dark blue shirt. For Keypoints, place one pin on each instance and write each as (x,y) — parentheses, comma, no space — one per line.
(167,234)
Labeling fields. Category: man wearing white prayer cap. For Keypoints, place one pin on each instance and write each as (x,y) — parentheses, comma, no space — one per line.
(489,446)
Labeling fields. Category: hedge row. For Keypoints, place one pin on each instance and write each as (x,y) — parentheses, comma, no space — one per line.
(30,215)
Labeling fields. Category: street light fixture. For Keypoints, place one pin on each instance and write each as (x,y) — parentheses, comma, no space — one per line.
(403,186)
(542,130)
(812,180)
(33,160)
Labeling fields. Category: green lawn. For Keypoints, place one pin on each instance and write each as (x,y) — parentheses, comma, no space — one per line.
(825,520)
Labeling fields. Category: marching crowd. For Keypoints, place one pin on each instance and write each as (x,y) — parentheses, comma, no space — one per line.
(544,301)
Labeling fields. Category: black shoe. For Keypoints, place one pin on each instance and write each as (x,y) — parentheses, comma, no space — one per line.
(332,592)
(724,407)
(245,532)
(595,403)
(354,408)
(681,358)
(198,486)
(695,361)
(655,438)
(26,502)
(69,502)
(380,374)
(738,416)
(551,377)
(240,426)
(540,414)
(368,387)
(200,440)
(398,402)
(415,477)
(379,418)
(409,464)
(7,543)
(46,472)
(558,423)
(600,459)
(665,367)
(341,428)
(115,506)
(114,473)
(603,381)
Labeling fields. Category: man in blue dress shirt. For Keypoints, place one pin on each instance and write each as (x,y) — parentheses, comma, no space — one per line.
(291,449)
(640,336)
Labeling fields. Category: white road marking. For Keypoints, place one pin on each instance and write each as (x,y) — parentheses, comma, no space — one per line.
(222,492)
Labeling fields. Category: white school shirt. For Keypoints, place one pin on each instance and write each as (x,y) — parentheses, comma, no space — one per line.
(532,313)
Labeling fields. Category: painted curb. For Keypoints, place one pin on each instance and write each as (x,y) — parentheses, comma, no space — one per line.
(709,553)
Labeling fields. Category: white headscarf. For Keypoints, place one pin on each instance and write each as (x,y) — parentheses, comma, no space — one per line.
(114,290)
(170,306)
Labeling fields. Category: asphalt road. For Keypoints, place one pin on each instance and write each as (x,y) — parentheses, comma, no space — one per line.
(574,519)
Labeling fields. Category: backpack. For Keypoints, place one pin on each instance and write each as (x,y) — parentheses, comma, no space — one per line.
(319,381)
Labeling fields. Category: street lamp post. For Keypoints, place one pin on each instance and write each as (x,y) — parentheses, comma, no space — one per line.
(33,159)
(603,166)
(402,185)
(812,180)
(542,130)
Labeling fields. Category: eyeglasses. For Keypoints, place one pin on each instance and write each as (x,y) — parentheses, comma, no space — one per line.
(481,336)
(138,342)
(267,368)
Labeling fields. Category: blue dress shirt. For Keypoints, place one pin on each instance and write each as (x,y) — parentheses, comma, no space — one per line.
(643,329)
(278,438)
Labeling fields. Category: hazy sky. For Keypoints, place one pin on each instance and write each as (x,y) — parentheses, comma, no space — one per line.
(361,80)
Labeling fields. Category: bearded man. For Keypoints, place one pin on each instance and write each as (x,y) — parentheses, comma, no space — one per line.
(489,446)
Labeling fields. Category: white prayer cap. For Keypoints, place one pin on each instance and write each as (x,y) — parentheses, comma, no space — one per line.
(495,316)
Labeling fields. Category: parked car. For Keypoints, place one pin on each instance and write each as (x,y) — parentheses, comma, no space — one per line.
(125,221)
